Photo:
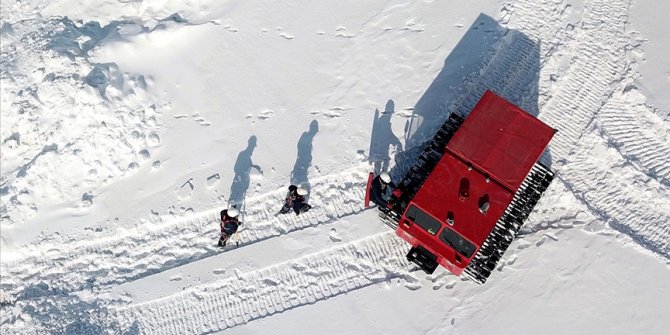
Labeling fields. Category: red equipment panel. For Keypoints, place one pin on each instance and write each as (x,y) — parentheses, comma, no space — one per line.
(441,197)
(367,189)
(486,160)
(501,139)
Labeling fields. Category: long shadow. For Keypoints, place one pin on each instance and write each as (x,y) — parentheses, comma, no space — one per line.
(488,56)
(242,179)
(304,159)
(382,139)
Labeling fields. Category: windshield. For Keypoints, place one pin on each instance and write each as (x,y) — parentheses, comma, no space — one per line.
(457,242)
(423,220)
(448,236)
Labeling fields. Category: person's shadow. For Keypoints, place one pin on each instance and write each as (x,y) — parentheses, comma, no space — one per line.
(382,139)
(304,159)
(242,168)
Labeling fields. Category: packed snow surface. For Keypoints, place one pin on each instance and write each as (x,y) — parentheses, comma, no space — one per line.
(126,126)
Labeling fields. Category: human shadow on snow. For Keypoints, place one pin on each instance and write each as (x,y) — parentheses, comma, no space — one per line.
(299,175)
(242,169)
(382,139)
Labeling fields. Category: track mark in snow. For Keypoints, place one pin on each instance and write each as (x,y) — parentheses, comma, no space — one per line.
(246,297)
(632,126)
(626,198)
(632,201)
(598,61)
(150,248)
(250,296)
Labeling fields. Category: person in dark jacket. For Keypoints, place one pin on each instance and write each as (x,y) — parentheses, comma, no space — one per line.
(229,224)
(381,189)
(295,199)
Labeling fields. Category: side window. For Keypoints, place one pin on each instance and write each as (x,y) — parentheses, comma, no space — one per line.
(423,220)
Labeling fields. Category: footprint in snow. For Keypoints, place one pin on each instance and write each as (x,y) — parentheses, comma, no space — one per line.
(213,180)
(332,114)
(153,139)
(266,114)
(334,236)
(185,190)
(230,29)
(287,36)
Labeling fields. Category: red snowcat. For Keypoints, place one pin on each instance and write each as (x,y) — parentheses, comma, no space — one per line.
(467,195)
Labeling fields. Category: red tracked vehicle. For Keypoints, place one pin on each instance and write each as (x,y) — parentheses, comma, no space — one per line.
(465,198)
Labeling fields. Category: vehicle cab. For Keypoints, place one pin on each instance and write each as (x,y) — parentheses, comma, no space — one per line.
(454,212)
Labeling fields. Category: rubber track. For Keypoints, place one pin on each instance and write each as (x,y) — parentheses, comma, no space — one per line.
(250,296)
(509,224)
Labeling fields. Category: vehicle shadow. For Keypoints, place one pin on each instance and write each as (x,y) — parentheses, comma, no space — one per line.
(242,179)
(383,139)
(488,57)
(299,175)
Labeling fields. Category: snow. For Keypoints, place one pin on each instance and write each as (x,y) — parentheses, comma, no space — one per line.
(126,126)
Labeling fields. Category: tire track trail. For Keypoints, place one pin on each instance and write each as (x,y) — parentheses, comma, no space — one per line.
(628,124)
(246,297)
(633,200)
(629,200)
(148,249)
(597,63)
(250,296)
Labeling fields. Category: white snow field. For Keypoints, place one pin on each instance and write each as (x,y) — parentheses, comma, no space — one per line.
(126,126)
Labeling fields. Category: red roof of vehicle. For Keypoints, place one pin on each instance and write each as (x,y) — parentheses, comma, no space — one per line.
(501,139)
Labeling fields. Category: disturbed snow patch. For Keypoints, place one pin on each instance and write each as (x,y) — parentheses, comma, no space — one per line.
(64,116)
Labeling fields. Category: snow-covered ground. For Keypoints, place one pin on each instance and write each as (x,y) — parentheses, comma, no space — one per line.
(126,126)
